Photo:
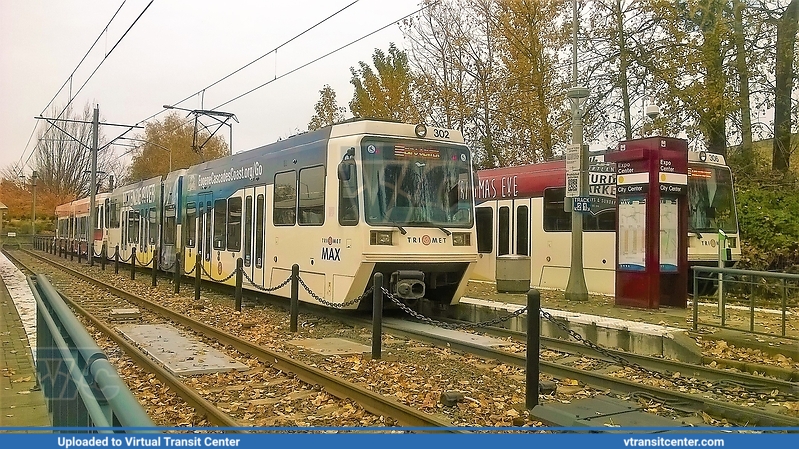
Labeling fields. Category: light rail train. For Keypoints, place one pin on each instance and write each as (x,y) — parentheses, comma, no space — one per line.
(343,202)
(520,212)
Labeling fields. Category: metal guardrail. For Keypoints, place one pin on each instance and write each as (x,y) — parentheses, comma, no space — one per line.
(81,387)
(755,289)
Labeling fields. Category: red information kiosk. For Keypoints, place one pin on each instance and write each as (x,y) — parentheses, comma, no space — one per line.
(652,222)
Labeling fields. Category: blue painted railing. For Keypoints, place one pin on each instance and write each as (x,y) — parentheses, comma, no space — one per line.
(81,387)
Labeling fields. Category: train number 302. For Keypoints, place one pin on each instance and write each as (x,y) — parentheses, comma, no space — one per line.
(441,133)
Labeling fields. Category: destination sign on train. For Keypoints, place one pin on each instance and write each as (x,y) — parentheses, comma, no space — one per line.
(403,151)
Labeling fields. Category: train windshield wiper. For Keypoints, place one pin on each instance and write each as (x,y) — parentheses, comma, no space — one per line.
(433,225)
(401,229)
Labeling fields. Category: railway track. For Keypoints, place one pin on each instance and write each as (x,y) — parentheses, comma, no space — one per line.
(693,388)
(372,402)
(598,373)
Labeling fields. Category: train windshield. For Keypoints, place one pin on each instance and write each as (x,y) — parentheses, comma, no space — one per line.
(711,204)
(412,183)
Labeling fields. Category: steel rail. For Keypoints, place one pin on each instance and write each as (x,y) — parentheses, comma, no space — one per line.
(200,404)
(371,401)
(666,365)
(713,407)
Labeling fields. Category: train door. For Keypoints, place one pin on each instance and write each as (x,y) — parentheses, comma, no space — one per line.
(252,248)
(205,202)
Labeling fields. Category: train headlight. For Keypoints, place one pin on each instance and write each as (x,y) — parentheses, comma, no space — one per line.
(420,131)
(461,239)
(732,242)
(381,238)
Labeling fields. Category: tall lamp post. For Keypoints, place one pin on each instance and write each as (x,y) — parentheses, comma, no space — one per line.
(576,289)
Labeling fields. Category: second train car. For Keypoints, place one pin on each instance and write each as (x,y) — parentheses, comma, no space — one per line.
(520,212)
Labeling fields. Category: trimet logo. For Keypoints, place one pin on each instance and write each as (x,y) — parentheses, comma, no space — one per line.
(427,240)
(331,241)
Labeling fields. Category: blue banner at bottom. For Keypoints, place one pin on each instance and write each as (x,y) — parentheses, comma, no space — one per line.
(350,439)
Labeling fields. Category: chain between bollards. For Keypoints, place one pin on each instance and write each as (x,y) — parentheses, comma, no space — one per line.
(295,296)
(377,317)
(533,349)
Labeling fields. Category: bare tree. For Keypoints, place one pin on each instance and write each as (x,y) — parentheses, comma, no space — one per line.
(62,156)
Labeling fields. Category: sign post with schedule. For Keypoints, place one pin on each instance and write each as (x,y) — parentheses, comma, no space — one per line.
(652,222)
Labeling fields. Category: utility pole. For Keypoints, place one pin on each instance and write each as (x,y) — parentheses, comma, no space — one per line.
(576,289)
(33,215)
(93,184)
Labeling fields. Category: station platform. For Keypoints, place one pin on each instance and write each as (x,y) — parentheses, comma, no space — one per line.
(599,317)
(22,403)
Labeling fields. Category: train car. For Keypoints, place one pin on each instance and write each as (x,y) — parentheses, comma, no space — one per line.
(343,203)
(520,212)
(134,217)
(73,223)
(172,212)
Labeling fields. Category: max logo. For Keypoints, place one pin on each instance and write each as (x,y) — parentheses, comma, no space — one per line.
(331,254)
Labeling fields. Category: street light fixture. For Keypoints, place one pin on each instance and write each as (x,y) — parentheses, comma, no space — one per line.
(222,118)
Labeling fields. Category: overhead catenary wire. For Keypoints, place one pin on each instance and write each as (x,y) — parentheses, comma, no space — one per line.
(105,57)
(277,77)
(69,78)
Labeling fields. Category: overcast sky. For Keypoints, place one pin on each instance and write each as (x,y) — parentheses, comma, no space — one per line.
(177,48)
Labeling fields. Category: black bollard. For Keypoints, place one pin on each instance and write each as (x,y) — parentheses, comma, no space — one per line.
(295,296)
(103,255)
(177,273)
(155,266)
(133,264)
(377,317)
(91,254)
(116,259)
(239,280)
(80,253)
(533,349)
(198,269)
(72,251)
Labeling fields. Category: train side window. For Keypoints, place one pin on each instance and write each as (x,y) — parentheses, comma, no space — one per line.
(124,239)
(113,214)
(133,226)
(348,200)
(485,229)
(220,223)
(603,221)
(144,229)
(248,231)
(234,224)
(191,224)
(522,231)
(259,231)
(312,196)
(555,218)
(285,204)
(503,231)
(170,225)
(153,234)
